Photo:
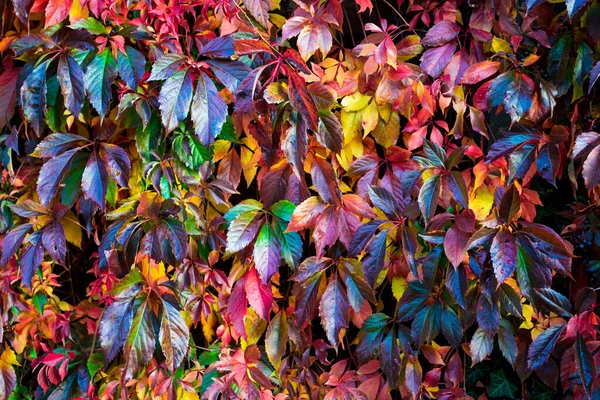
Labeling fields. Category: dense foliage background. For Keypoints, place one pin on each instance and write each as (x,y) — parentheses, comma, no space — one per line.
(275,200)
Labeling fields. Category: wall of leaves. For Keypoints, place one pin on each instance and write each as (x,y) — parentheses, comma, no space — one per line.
(266,199)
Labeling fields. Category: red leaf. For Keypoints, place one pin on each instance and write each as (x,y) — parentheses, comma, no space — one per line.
(259,295)
(455,245)
(478,72)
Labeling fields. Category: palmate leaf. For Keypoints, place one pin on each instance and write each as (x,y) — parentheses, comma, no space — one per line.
(99,78)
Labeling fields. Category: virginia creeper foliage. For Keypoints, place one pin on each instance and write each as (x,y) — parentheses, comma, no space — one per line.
(267,199)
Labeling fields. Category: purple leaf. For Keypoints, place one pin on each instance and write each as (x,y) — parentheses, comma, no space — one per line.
(504,255)
(333,310)
(53,237)
(267,253)
(542,346)
(114,327)
(441,33)
(174,335)
(51,175)
(33,97)
(436,59)
(56,143)
(94,181)
(175,98)
(12,241)
(118,163)
(70,77)
(209,110)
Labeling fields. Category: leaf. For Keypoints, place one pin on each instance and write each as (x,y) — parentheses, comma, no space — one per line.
(325,181)
(118,163)
(70,77)
(488,315)
(165,66)
(31,258)
(302,101)
(131,66)
(518,98)
(33,97)
(458,188)
(56,143)
(259,294)
(333,311)
(504,255)
(554,301)
(591,172)
(175,98)
(307,298)
(94,182)
(455,245)
(373,263)
(389,356)
(12,241)
(510,205)
(435,60)
(209,110)
(141,340)
(501,386)
(451,328)
(481,346)
(267,253)
(99,78)
(237,305)
(541,348)
(372,337)
(229,73)
(8,95)
(242,231)
(507,342)
(573,7)
(259,9)
(363,236)
(594,74)
(56,11)
(429,195)
(276,339)
(177,237)
(441,33)
(90,24)
(51,175)
(114,327)
(329,133)
(53,237)
(427,324)
(8,378)
(480,71)
(585,364)
(173,335)
(385,201)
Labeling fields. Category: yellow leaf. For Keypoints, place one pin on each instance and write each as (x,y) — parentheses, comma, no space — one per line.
(387,133)
(77,12)
(351,125)
(255,326)
(72,229)
(220,149)
(8,356)
(528,314)
(370,117)
(208,326)
(185,395)
(277,20)
(480,202)
(356,101)
(398,286)
(500,45)
(249,159)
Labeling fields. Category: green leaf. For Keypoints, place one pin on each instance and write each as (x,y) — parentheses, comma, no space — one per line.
(95,363)
(267,253)
(99,78)
(141,340)
(501,386)
(276,338)
(90,24)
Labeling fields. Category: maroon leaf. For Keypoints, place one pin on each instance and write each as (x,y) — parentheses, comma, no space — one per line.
(455,245)
(302,101)
(259,294)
